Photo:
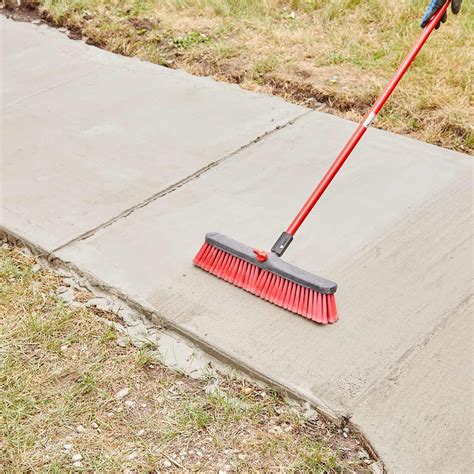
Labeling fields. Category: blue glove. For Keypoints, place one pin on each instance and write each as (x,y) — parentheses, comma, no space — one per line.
(434,6)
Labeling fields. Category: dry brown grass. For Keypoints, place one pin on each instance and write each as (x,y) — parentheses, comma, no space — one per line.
(336,55)
(61,370)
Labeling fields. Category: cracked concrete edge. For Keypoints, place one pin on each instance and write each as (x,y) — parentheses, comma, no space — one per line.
(291,392)
(173,187)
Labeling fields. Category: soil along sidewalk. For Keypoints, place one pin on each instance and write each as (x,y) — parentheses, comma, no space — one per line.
(394,231)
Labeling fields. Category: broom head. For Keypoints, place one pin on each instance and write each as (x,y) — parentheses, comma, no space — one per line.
(269,277)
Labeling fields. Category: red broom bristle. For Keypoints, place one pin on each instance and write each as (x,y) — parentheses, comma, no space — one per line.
(296,298)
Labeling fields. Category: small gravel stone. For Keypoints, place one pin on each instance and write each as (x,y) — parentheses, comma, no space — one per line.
(80,429)
(275,430)
(166,464)
(36,268)
(278,410)
(344,434)
(141,432)
(376,468)
(77,464)
(94,425)
(122,393)
(247,390)
(122,341)
(68,447)
(77,457)
(129,403)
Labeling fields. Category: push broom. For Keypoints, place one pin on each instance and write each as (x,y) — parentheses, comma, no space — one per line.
(268,276)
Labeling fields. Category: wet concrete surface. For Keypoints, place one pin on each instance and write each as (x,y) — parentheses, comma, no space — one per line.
(394,231)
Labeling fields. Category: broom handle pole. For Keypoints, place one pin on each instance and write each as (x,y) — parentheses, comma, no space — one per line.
(362,127)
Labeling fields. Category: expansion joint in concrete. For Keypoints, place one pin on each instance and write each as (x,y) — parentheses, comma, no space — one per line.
(193,176)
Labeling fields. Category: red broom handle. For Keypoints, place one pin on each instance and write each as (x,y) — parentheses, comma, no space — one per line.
(362,127)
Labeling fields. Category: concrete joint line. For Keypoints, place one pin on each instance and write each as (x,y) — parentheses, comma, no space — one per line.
(41,91)
(397,368)
(178,184)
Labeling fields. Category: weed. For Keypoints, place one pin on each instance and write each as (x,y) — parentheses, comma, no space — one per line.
(190,39)
(109,335)
(146,356)
(263,67)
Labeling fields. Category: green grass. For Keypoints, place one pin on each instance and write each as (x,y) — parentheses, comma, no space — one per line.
(191,39)
(60,370)
(295,49)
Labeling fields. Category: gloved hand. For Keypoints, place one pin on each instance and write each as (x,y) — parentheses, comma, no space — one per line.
(434,6)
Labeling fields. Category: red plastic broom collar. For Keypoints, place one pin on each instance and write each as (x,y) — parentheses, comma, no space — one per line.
(285,239)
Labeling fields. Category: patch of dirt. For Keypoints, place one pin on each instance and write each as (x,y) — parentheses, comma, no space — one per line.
(26,11)
(304,92)
(143,23)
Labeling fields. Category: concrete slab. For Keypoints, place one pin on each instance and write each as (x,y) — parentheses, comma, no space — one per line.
(394,231)
(87,135)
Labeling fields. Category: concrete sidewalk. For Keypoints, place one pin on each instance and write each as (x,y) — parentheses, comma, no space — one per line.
(120,167)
